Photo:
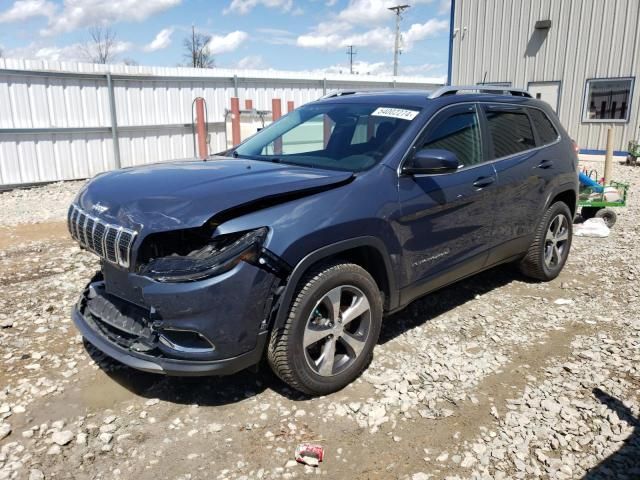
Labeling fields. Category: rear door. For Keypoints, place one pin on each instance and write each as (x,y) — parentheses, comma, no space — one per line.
(447,218)
(522,170)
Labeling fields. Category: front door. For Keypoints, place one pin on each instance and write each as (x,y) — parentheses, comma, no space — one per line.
(447,218)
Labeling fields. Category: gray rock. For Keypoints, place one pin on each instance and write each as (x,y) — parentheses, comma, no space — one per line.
(62,438)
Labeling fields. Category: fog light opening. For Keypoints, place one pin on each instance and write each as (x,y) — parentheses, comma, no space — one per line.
(185,341)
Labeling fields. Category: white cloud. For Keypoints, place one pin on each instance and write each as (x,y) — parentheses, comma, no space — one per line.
(24,9)
(445,7)
(371,11)
(82,13)
(420,31)
(386,69)
(162,40)
(361,68)
(422,69)
(73,52)
(242,7)
(276,36)
(227,43)
(252,62)
(380,38)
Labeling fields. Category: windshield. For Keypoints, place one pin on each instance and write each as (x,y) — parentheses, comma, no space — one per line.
(339,136)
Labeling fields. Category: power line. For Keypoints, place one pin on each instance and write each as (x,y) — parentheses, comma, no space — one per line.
(398,9)
(351,53)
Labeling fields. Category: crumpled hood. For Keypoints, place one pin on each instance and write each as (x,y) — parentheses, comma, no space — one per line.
(170,196)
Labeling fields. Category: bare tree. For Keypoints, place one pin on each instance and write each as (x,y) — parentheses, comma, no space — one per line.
(196,50)
(101,47)
(130,61)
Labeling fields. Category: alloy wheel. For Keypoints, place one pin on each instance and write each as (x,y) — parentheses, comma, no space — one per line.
(555,242)
(337,330)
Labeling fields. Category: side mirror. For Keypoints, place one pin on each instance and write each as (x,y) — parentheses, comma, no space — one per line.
(429,161)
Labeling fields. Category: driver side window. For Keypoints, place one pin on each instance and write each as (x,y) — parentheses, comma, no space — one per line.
(457,132)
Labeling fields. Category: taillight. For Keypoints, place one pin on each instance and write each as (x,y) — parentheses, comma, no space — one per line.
(576,148)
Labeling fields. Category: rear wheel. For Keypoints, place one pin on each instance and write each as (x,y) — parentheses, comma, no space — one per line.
(608,215)
(550,248)
(332,328)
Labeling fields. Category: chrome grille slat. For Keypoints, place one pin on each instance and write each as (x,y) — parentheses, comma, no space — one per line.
(111,242)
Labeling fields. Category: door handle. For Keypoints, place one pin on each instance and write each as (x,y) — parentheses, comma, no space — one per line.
(483,182)
(546,164)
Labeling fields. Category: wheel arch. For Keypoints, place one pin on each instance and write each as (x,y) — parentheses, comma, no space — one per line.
(368,252)
(567,195)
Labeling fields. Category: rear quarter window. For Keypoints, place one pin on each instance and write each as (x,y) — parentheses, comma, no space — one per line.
(510,132)
(544,126)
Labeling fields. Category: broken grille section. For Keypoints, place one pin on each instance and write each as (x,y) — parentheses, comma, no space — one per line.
(110,242)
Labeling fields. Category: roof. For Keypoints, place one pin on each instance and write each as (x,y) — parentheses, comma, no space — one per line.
(421,98)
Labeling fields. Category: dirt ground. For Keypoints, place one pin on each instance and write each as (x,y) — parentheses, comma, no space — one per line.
(494,377)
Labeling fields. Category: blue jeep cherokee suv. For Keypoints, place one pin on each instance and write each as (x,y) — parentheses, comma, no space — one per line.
(295,244)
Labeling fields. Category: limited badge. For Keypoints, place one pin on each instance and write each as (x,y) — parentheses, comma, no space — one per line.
(401,113)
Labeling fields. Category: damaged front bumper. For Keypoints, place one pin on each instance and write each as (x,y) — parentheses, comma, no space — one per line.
(217,326)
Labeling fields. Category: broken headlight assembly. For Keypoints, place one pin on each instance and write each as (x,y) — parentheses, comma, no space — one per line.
(219,255)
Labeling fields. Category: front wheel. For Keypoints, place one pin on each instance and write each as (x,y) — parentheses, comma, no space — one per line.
(548,253)
(333,325)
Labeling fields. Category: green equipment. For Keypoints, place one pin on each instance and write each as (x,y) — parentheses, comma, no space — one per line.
(596,201)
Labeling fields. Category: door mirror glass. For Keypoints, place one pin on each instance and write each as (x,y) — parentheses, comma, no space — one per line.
(430,161)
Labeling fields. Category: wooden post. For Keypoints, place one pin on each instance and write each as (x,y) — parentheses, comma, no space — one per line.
(276,113)
(290,106)
(248,104)
(201,129)
(608,159)
(235,121)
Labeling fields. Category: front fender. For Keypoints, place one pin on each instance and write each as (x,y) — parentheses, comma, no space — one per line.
(286,297)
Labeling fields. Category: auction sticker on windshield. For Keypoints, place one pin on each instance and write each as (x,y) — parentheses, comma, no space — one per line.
(400,113)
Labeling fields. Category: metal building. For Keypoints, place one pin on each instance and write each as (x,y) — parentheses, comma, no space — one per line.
(581,56)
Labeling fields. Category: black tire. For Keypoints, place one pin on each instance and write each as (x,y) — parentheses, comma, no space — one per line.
(533,264)
(608,215)
(589,212)
(292,361)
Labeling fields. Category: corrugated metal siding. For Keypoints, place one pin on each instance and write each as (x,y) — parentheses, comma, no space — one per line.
(495,41)
(153,110)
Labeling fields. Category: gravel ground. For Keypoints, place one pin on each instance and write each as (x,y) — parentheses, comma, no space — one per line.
(38,204)
(494,377)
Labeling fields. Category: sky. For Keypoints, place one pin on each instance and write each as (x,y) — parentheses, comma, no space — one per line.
(298,35)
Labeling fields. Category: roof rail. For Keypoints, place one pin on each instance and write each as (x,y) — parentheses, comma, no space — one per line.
(339,93)
(495,89)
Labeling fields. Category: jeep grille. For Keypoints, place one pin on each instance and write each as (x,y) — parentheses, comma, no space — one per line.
(111,242)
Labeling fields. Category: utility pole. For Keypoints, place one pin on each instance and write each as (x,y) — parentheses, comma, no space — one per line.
(193,45)
(398,9)
(351,53)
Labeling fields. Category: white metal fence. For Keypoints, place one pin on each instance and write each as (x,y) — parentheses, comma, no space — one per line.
(62,121)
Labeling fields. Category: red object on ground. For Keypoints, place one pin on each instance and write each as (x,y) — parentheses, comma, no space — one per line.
(235,121)
(309,450)
(276,113)
(201,129)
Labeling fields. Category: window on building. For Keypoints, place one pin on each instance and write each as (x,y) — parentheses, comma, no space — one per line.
(546,131)
(608,100)
(510,132)
(459,133)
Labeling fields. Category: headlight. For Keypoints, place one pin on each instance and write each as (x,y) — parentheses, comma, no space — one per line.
(216,257)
